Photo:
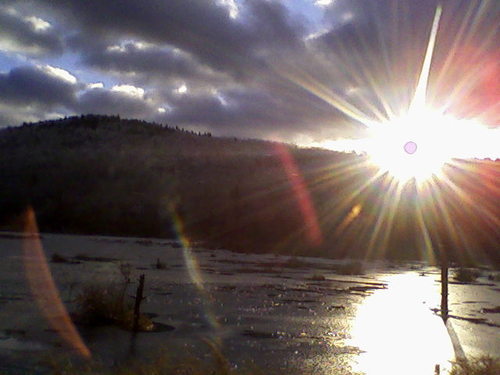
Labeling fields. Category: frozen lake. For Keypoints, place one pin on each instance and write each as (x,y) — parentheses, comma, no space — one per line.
(297,315)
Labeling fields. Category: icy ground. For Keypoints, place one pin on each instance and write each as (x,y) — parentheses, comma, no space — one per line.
(271,312)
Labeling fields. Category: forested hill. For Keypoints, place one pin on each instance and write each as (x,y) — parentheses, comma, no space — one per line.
(106,175)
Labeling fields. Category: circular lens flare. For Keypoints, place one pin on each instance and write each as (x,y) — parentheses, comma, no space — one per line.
(410,147)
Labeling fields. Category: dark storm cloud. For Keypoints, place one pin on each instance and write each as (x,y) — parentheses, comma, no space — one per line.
(195,26)
(20,35)
(362,61)
(380,45)
(33,93)
(248,112)
(235,49)
(11,118)
(200,27)
(234,108)
(30,93)
(215,50)
(35,85)
(239,71)
(384,31)
(150,63)
(271,26)
(102,101)
(399,29)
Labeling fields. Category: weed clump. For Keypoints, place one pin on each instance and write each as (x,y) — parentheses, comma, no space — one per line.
(494,277)
(466,275)
(352,268)
(58,258)
(100,305)
(318,277)
(295,262)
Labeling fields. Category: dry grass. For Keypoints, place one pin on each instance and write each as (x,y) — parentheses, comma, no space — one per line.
(476,366)
(105,305)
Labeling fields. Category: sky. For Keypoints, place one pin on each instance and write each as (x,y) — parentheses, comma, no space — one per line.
(302,71)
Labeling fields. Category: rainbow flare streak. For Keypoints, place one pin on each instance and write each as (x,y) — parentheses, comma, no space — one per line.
(43,287)
(302,196)
(194,271)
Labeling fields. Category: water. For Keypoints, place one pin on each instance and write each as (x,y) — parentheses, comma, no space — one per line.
(398,332)
(256,311)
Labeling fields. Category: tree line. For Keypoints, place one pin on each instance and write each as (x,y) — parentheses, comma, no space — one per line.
(95,174)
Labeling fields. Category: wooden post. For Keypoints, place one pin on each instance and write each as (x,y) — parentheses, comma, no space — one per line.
(444,284)
(444,290)
(137,305)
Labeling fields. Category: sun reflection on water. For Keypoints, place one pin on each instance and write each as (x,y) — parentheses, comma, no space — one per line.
(398,333)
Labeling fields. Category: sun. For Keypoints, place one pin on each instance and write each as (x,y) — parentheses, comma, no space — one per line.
(416,145)
(419,144)
(416,140)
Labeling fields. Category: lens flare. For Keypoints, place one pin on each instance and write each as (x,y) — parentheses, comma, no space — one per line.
(193,269)
(302,196)
(410,147)
(43,287)
(428,115)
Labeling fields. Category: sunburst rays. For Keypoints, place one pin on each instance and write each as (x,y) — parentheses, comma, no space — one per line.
(426,120)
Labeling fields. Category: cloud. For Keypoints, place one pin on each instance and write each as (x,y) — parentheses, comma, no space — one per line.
(38,24)
(378,47)
(182,89)
(37,85)
(323,3)
(130,90)
(31,93)
(272,26)
(198,27)
(148,62)
(29,35)
(250,68)
(59,74)
(95,85)
(231,6)
(247,113)
(205,30)
(125,100)
(13,116)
